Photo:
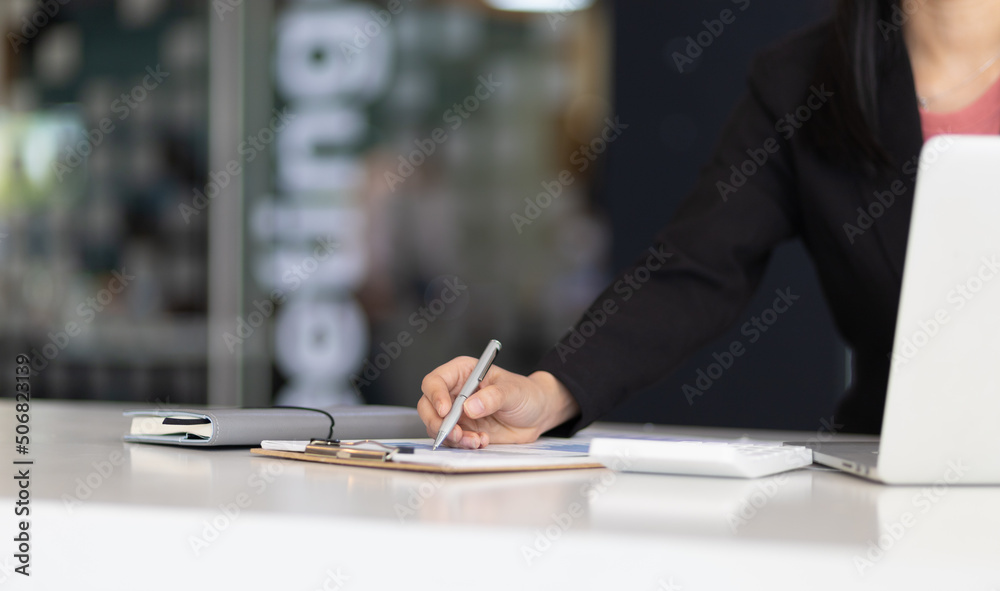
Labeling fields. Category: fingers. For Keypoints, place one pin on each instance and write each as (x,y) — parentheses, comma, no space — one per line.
(466,438)
(500,391)
(437,393)
(429,416)
(440,385)
(459,437)
(472,440)
(436,401)
(439,389)
(486,401)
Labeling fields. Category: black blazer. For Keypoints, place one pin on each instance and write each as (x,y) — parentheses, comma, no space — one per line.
(722,236)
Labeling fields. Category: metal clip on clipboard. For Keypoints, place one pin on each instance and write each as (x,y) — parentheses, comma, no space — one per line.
(356,450)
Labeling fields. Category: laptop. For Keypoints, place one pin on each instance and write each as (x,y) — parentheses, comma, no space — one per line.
(942,411)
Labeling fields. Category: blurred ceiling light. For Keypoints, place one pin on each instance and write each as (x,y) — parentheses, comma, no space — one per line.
(560,6)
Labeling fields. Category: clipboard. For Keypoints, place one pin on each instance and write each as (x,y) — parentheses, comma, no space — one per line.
(378,455)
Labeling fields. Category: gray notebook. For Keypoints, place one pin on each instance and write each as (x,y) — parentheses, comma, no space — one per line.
(249,426)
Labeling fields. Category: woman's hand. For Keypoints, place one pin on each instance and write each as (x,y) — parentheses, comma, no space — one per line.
(507,407)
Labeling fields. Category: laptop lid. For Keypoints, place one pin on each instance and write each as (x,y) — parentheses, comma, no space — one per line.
(942,415)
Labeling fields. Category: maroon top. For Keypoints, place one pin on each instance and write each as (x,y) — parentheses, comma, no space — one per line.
(982,117)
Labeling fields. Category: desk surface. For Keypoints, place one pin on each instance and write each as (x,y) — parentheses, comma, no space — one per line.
(141,516)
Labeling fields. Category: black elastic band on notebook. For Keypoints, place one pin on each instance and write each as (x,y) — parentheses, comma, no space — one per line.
(328,415)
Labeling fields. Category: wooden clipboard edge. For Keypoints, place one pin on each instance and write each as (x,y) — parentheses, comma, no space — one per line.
(297,455)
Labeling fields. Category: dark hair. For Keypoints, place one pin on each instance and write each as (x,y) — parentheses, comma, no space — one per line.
(862,41)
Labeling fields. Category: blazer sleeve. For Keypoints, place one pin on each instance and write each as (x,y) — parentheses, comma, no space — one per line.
(700,272)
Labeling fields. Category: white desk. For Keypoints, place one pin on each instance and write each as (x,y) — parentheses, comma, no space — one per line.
(110,515)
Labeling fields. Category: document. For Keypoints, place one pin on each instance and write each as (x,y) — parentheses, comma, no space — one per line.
(547,453)
(416,454)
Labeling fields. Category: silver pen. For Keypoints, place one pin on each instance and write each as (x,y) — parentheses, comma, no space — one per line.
(477,375)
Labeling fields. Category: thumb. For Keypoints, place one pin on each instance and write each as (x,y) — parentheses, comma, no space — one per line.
(491,399)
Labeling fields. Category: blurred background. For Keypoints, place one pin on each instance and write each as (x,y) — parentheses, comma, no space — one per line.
(239,202)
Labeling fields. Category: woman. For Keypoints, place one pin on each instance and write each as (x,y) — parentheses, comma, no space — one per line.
(822,148)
